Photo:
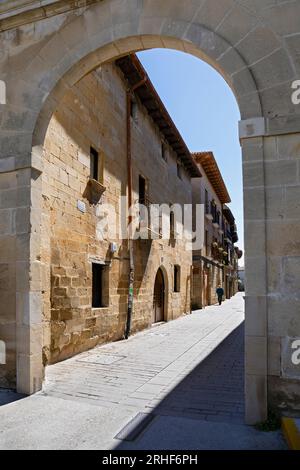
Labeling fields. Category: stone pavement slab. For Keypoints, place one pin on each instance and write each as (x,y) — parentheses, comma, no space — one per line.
(189,374)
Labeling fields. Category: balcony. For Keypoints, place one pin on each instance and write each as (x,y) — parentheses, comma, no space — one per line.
(217,252)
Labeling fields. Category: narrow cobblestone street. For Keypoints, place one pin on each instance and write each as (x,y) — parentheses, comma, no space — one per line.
(159,368)
(187,375)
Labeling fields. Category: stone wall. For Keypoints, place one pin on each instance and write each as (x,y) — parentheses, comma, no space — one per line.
(283,228)
(94,114)
(8,250)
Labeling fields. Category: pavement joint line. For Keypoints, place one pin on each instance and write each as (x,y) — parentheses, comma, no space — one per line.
(196,344)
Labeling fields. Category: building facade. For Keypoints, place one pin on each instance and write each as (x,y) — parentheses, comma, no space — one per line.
(217,263)
(86,268)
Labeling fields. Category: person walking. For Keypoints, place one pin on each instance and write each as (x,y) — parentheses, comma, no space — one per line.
(220,294)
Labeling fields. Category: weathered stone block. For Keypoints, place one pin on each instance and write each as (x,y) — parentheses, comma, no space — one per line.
(256,399)
(256,316)
(256,355)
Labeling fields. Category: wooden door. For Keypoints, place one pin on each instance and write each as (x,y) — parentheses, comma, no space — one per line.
(203,289)
(206,289)
(159,298)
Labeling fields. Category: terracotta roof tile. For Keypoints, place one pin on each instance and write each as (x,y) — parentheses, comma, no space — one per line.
(212,171)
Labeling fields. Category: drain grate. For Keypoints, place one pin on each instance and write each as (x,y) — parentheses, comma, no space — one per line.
(135,427)
(102,359)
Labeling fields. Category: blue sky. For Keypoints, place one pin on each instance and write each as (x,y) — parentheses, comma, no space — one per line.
(205,111)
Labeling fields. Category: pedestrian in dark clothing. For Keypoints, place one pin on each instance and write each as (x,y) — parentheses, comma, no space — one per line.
(220,294)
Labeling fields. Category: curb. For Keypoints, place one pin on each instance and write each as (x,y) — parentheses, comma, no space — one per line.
(291,433)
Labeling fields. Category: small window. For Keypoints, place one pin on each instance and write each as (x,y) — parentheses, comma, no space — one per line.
(134,110)
(164,152)
(176,278)
(207,207)
(142,190)
(206,242)
(172,224)
(214,210)
(94,157)
(99,285)
(179,170)
(97,165)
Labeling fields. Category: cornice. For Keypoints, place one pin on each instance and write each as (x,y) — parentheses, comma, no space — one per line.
(14,13)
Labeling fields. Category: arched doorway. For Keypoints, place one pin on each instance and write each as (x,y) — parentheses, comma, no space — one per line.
(159,298)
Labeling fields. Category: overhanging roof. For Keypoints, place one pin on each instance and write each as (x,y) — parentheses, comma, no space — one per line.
(229,215)
(135,74)
(211,169)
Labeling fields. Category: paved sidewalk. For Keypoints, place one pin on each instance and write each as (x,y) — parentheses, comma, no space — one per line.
(187,375)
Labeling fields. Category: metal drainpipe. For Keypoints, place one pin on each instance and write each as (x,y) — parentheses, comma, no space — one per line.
(130,199)
(130,240)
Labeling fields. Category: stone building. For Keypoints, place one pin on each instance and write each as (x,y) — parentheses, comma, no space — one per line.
(86,268)
(217,263)
(232,253)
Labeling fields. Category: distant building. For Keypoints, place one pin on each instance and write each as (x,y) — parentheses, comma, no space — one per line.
(217,263)
(241,279)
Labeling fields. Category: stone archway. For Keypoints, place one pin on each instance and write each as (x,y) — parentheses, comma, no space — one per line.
(254,47)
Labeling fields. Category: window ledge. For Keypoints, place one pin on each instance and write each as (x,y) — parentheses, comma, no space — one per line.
(94,190)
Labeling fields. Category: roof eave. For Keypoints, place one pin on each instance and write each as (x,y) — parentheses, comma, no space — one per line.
(132,67)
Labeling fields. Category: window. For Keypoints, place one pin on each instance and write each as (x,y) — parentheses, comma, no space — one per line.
(97,165)
(172,224)
(214,210)
(99,285)
(142,190)
(179,170)
(94,157)
(176,278)
(164,152)
(206,242)
(207,211)
(134,110)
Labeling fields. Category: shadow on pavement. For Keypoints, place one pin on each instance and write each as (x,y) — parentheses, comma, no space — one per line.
(9,396)
(213,392)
